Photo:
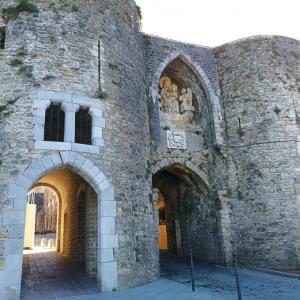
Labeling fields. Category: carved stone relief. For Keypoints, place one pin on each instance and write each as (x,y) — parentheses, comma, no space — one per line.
(175,108)
(176,139)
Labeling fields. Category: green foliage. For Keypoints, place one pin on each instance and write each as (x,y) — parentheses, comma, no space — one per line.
(101,94)
(150,107)
(22,51)
(139,11)
(240,132)
(240,195)
(75,8)
(5,107)
(128,18)
(52,39)
(167,47)
(15,62)
(12,12)
(148,172)
(113,66)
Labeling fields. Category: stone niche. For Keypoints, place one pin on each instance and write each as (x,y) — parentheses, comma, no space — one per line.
(182,106)
(176,108)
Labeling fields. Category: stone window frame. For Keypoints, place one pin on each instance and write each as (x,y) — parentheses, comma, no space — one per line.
(70,104)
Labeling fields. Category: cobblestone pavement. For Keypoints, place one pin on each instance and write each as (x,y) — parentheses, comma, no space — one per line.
(221,281)
(212,283)
(51,276)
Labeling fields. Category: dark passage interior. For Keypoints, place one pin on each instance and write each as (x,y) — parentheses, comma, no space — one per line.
(187,218)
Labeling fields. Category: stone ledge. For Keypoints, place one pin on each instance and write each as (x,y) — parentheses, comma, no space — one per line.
(66,146)
(65,97)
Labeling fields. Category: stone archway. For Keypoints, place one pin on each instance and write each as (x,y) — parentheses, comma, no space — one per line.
(184,197)
(165,162)
(107,240)
(202,212)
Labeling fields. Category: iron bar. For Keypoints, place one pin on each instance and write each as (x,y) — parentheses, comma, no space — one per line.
(192,270)
(237,277)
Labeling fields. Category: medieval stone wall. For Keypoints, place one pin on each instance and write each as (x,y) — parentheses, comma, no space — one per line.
(246,157)
(57,50)
(259,79)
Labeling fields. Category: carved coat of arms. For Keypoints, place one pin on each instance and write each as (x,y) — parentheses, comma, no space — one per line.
(176,139)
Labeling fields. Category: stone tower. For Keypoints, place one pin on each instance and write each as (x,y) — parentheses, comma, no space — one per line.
(78,54)
(259,79)
(148,143)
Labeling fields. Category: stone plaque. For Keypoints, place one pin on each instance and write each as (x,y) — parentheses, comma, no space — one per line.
(176,139)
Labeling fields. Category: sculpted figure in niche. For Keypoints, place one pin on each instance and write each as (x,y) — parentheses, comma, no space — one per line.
(175,108)
(165,85)
(168,96)
(186,101)
(174,98)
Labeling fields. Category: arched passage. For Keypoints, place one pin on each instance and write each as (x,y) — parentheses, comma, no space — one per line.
(41,218)
(104,241)
(41,184)
(191,215)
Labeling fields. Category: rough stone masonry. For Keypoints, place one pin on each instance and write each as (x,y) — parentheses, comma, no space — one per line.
(230,181)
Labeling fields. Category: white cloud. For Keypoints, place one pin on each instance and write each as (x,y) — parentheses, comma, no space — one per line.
(214,22)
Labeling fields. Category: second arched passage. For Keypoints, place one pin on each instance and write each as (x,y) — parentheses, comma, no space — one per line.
(188,214)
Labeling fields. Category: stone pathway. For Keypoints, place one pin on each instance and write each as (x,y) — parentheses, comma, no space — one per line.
(220,281)
(51,276)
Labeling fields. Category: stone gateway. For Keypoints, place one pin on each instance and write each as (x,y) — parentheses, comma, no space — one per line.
(148,144)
